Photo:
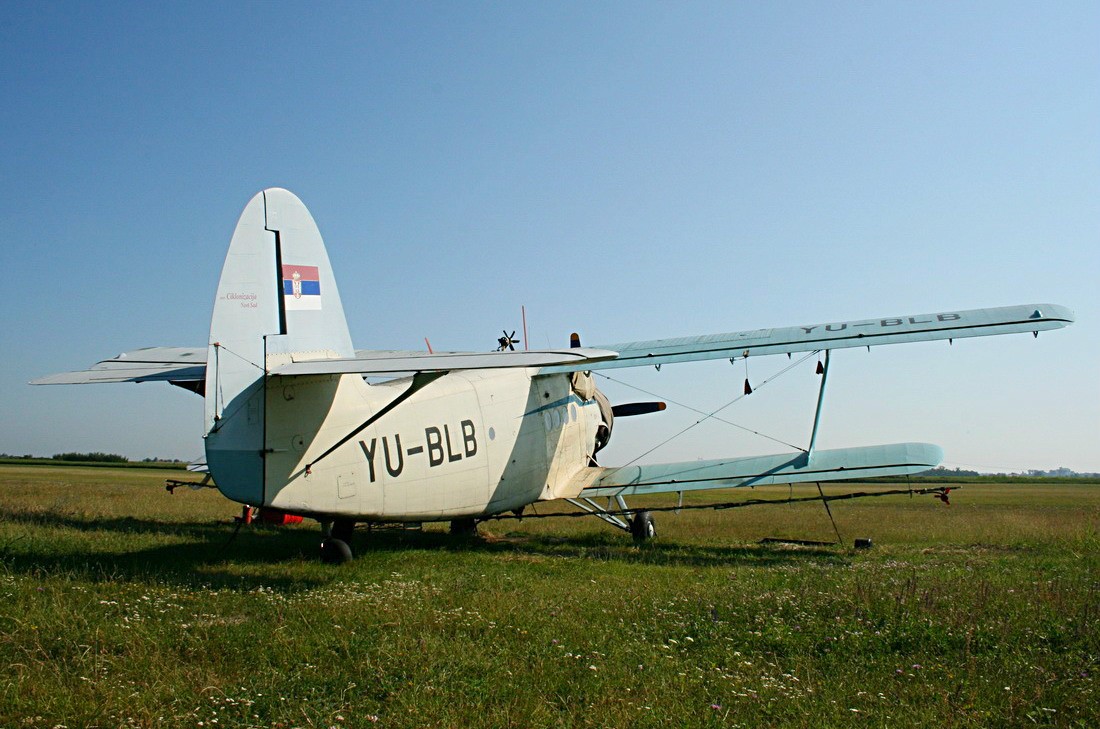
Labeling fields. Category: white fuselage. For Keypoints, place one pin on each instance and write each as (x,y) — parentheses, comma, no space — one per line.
(471,443)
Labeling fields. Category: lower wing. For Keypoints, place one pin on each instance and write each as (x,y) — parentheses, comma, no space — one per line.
(832,465)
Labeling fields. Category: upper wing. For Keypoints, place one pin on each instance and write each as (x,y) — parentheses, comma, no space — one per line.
(188,364)
(866,332)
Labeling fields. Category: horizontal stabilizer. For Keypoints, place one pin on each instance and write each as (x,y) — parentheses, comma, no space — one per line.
(833,465)
(838,335)
(178,364)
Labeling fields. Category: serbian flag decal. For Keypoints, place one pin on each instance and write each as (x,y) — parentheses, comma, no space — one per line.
(301,287)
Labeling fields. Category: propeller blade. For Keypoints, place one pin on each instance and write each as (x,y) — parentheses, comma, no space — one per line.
(508,341)
(636,408)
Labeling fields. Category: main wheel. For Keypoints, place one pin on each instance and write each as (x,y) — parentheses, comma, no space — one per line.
(642,527)
(342,529)
(335,551)
(464,527)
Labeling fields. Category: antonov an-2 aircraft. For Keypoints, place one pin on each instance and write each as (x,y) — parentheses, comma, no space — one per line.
(293,426)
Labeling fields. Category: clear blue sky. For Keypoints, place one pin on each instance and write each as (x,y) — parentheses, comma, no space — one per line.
(627,170)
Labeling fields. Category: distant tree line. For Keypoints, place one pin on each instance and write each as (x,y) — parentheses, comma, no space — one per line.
(950,472)
(942,472)
(93,457)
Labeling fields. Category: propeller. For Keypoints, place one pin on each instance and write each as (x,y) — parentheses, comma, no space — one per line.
(508,341)
(627,409)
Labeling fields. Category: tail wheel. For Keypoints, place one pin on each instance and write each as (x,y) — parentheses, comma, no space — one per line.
(642,527)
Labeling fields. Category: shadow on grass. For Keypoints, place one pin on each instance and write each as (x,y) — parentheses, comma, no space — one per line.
(609,547)
(201,553)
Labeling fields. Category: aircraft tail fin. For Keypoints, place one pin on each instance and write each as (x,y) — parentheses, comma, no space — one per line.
(277,302)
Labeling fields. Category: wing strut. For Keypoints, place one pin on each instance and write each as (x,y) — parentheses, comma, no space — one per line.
(839,539)
(616,519)
(817,413)
(419,381)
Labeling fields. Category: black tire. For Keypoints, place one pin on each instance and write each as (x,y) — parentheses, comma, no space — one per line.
(642,527)
(335,551)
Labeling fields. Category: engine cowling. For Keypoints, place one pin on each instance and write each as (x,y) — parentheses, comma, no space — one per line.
(607,421)
(585,388)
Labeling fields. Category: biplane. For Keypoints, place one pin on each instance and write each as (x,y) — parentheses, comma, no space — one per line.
(297,423)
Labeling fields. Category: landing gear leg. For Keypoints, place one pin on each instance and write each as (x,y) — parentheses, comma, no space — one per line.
(336,545)
(464,527)
(642,527)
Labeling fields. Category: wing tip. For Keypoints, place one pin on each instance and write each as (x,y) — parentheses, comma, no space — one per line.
(1056,312)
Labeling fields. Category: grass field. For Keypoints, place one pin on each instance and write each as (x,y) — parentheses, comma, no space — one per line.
(120,606)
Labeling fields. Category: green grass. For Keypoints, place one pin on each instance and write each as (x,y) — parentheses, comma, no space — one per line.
(121,605)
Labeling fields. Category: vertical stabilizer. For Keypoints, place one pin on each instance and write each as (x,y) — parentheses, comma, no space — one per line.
(277,297)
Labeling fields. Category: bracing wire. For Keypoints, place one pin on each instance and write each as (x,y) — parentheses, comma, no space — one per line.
(713,414)
(219,415)
(220,346)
